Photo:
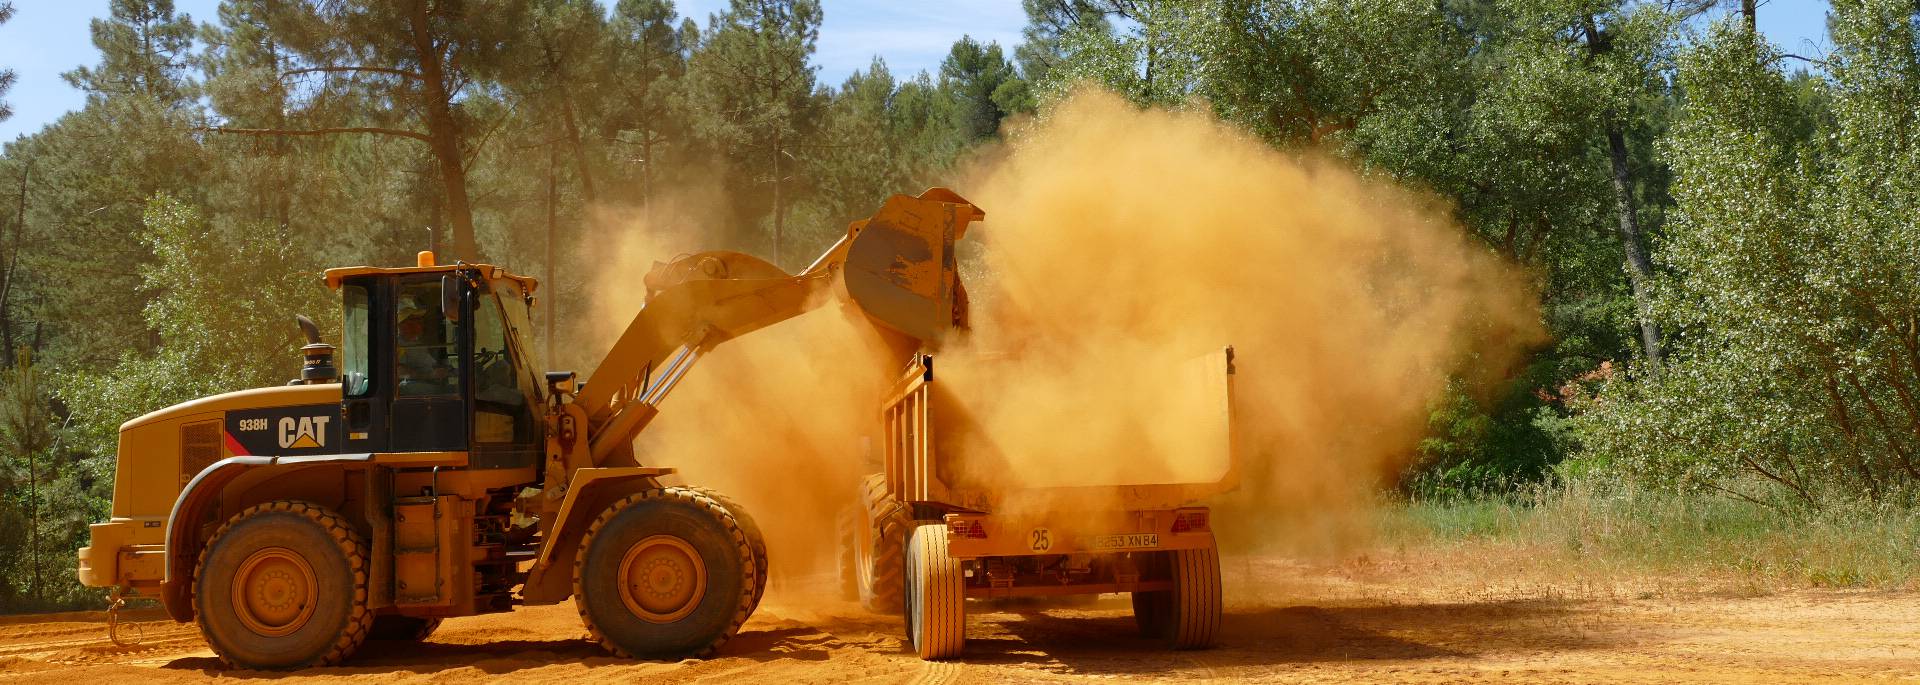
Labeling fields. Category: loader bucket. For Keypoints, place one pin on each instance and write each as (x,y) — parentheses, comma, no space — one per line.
(900,265)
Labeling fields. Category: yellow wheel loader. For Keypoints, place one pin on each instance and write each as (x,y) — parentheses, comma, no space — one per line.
(432,469)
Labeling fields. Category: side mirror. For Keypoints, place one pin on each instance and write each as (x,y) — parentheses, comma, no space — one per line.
(450,299)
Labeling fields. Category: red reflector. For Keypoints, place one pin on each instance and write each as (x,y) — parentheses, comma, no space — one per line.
(1190,521)
(967,529)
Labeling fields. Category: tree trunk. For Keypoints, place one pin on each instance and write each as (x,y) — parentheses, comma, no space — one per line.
(579,150)
(1639,269)
(12,257)
(443,132)
(1750,9)
(553,205)
(779,216)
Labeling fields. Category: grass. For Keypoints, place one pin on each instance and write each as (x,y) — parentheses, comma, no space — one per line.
(1588,530)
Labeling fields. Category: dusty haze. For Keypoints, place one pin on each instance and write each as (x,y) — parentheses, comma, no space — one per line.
(1120,243)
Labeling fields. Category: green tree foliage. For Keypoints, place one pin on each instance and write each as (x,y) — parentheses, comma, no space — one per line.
(7,76)
(649,61)
(976,79)
(1793,288)
(399,70)
(852,168)
(45,505)
(223,313)
(82,180)
(751,94)
(142,47)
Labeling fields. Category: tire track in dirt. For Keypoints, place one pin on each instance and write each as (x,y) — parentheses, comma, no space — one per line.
(1403,628)
(1208,673)
(940,673)
(54,643)
(142,637)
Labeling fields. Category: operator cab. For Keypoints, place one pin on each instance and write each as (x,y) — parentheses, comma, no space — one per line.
(435,359)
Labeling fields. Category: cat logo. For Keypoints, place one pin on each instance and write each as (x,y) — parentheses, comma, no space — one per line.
(304,432)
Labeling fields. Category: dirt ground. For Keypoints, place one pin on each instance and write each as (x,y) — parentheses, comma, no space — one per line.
(1352,622)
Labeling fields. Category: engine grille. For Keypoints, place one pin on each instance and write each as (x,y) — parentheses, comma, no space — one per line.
(199,447)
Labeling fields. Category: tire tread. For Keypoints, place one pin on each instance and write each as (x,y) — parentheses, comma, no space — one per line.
(744,604)
(1196,598)
(351,544)
(938,618)
(889,525)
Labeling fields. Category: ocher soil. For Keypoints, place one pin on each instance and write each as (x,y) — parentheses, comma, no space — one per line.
(1357,622)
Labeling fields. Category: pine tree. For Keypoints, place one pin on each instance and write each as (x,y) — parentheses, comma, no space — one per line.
(752,96)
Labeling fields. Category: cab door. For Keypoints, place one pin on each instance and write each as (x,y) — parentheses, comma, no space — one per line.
(506,400)
(364,395)
(428,371)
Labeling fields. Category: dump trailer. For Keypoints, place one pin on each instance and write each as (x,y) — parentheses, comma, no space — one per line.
(435,469)
(950,518)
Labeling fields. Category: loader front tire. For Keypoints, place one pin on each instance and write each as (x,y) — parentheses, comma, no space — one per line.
(666,573)
(849,527)
(754,539)
(878,554)
(283,585)
(935,596)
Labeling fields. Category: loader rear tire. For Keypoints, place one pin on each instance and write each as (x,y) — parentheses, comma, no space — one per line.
(878,556)
(665,573)
(758,541)
(936,600)
(397,628)
(283,585)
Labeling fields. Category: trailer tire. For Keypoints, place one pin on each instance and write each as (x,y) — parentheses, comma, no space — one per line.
(283,585)
(1150,610)
(758,541)
(936,600)
(397,628)
(880,560)
(1194,612)
(1188,616)
(665,573)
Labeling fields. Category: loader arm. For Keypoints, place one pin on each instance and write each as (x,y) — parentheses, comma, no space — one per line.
(896,266)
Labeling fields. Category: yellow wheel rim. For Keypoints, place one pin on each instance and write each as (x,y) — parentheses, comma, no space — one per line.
(274,591)
(662,579)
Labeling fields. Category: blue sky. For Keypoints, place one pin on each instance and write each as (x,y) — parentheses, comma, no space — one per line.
(47,37)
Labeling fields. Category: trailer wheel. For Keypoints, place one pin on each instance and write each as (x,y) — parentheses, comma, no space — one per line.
(397,628)
(878,554)
(665,573)
(1150,610)
(283,585)
(1194,613)
(1188,616)
(935,597)
(754,538)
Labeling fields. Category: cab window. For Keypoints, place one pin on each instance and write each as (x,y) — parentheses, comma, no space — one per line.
(426,356)
(501,413)
(355,343)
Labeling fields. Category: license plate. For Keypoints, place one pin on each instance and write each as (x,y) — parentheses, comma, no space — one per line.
(1125,541)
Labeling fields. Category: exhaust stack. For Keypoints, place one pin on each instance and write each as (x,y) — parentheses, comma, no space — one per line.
(316,357)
